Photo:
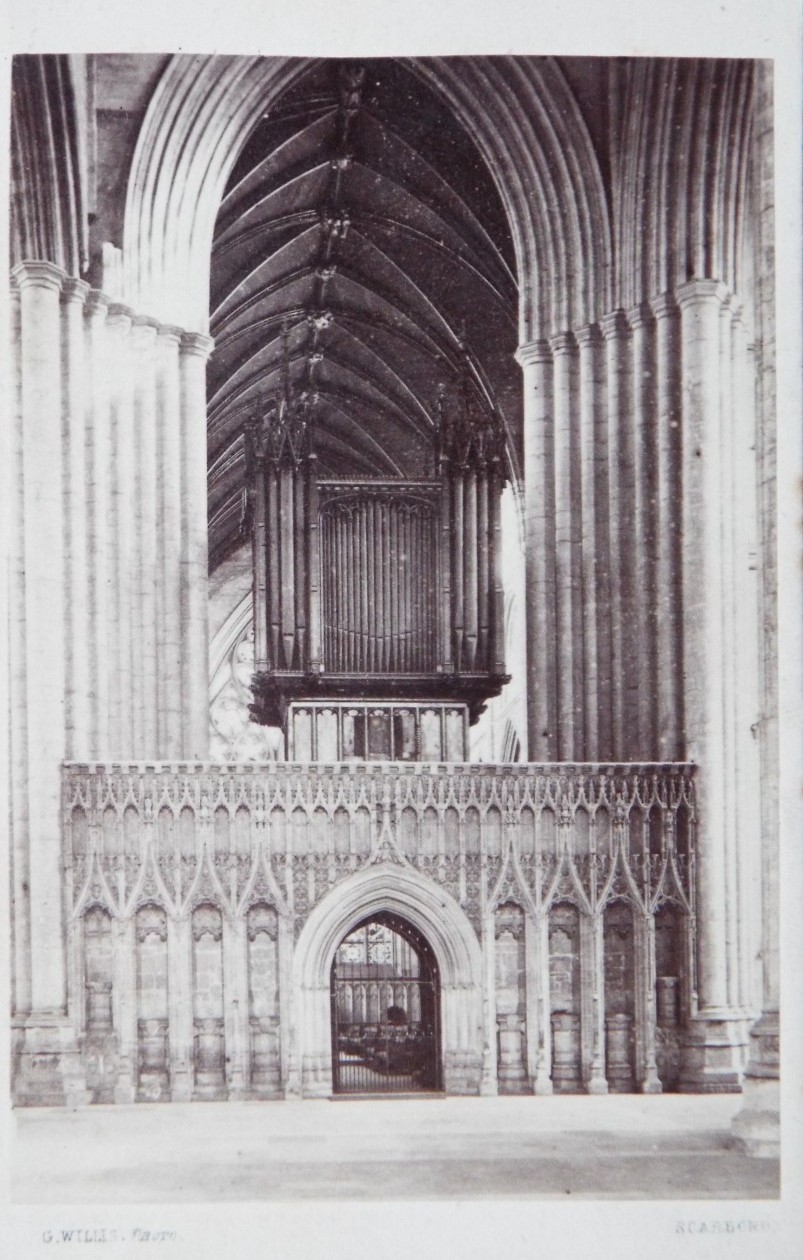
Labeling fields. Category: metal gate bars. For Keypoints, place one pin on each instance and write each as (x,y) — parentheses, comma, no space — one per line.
(385,999)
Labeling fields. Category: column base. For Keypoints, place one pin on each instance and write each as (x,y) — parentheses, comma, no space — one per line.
(181,1082)
(757,1126)
(542,1082)
(651,1084)
(597,1085)
(236,1091)
(316,1078)
(50,1070)
(124,1089)
(713,1053)
(463,1075)
(489,1086)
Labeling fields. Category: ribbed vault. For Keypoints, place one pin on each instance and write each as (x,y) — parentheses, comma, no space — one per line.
(361,249)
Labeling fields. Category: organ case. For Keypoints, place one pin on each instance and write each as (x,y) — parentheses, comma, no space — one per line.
(375,589)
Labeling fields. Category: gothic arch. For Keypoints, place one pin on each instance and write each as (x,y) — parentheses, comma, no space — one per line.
(430,909)
(540,156)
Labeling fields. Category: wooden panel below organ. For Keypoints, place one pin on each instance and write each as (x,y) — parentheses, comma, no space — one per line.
(377,732)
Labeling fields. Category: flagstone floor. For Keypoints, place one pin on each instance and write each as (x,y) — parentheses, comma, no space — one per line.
(617,1147)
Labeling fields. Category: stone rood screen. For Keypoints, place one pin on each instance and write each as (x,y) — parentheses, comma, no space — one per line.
(205,904)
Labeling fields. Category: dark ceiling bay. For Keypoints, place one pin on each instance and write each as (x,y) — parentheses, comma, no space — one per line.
(362,247)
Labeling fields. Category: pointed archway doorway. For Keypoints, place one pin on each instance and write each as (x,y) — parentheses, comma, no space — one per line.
(440,930)
(385,996)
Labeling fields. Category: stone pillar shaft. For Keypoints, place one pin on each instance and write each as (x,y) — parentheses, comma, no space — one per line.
(77,708)
(18,691)
(97,464)
(593,561)
(700,303)
(758,1124)
(616,333)
(536,361)
(194,352)
(169,512)
(125,646)
(39,285)
(146,686)
(638,533)
(568,610)
(667,533)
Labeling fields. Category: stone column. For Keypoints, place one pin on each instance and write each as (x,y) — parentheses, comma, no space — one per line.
(194,352)
(235,989)
(667,532)
(594,550)
(616,334)
(180,982)
(288,1000)
(543,1082)
(20,858)
(536,360)
(592,963)
(124,998)
(122,479)
(647,1068)
(78,665)
(568,608)
(489,1084)
(49,1069)
(168,410)
(641,681)
(758,1123)
(97,470)
(712,1053)
(145,685)
(744,674)
(536,979)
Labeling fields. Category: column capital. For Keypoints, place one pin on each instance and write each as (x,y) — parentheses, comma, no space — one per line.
(562,343)
(533,352)
(614,325)
(197,345)
(588,335)
(171,333)
(75,291)
(96,303)
(146,326)
(663,305)
(637,316)
(695,291)
(119,315)
(39,273)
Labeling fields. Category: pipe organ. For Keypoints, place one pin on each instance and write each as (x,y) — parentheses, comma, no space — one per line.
(375,590)
(379,577)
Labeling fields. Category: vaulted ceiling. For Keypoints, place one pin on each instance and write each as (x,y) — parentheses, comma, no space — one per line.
(362,241)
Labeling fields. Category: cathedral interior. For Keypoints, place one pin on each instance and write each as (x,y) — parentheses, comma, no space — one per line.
(393,651)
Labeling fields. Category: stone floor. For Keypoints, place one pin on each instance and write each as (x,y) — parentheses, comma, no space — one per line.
(624,1147)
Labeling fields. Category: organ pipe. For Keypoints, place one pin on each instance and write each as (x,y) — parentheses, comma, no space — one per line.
(313,571)
(484,591)
(274,524)
(458,583)
(286,539)
(470,571)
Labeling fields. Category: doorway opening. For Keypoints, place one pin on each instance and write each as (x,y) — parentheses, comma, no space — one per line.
(385,995)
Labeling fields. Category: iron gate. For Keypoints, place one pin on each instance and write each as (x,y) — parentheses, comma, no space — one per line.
(388,1055)
(385,1010)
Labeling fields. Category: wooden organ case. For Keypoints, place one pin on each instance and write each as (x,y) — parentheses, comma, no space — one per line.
(377,603)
